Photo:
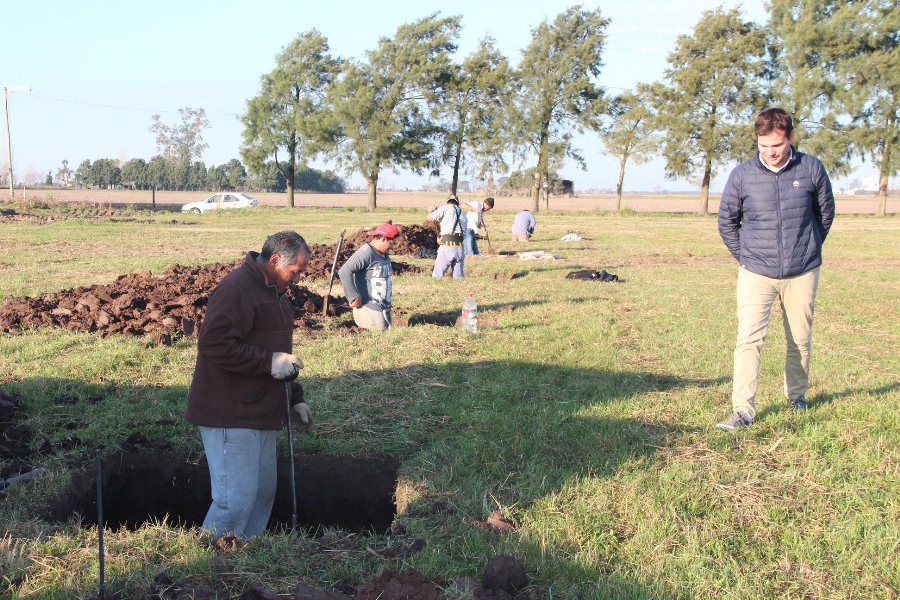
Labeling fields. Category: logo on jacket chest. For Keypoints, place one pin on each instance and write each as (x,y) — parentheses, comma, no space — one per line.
(796,183)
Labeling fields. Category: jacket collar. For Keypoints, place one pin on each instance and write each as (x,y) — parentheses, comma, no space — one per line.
(255,269)
(792,161)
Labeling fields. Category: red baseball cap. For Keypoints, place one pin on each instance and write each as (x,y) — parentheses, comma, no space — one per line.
(386,229)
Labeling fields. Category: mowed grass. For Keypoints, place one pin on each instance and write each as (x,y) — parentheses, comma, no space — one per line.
(586,415)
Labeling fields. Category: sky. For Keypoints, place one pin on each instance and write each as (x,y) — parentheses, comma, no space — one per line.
(99,69)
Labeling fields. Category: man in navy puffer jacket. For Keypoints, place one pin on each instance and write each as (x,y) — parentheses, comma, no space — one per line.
(774,216)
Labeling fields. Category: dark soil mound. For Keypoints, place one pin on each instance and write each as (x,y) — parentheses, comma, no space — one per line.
(11,215)
(411,240)
(322,257)
(138,304)
(392,585)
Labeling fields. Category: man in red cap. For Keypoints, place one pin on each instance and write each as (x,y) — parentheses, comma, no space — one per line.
(366,277)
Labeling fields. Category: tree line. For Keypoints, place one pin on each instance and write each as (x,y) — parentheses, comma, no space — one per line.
(161,173)
(410,103)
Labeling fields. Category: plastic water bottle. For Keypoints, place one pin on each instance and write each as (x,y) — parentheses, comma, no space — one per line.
(470,314)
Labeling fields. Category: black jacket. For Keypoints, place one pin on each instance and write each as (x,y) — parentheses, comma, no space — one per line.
(774,224)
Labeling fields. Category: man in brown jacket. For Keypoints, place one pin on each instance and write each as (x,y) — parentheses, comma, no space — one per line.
(237,395)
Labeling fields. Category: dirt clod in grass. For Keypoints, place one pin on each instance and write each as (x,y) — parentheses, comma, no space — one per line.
(304,591)
(165,307)
(352,493)
(504,572)
(497,522)
(258,592)
(394,585)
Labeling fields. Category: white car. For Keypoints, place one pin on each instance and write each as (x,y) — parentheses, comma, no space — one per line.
(223,200)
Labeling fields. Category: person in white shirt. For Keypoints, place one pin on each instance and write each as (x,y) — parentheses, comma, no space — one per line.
(476,221)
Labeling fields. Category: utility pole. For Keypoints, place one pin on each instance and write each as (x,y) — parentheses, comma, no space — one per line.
(8,140)
(6,92)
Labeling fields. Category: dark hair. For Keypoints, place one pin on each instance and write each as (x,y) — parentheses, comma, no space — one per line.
(489,202)
(453,200)
(771,119)
(286,244)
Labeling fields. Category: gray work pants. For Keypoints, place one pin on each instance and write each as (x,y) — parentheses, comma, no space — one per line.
(243,473)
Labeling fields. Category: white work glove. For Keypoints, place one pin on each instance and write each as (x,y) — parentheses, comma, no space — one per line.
(284,365)
(306,418)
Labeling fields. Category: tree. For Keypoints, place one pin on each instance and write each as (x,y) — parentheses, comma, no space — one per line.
(48,180)
(870,78)
(808,41)
(106,173)
(63,174)
(290,101)
(181,142)
(134,174)
(84,174)
(159,174)
(714,85)
(379,108)
(472,111)
(556,91)
(630,132)
(235,174)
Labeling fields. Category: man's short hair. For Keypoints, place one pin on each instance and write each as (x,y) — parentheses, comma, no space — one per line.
(453,200)
(489,202)
(771,119)
(286,244)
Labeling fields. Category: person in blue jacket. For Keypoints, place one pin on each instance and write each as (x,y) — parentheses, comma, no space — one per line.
(774,215)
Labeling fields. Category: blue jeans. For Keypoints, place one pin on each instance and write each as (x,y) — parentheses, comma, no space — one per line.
(243,474)
(448,256)
(470,243)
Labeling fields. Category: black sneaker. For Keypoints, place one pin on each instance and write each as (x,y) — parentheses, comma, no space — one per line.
(799,404)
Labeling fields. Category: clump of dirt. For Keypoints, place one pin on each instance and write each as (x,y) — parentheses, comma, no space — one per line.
(137,304)
(506,573)
(394,585)
(14,439)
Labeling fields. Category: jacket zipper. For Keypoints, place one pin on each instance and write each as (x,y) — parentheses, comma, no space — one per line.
(780,243)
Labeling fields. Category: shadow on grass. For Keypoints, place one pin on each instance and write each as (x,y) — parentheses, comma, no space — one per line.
(471,435)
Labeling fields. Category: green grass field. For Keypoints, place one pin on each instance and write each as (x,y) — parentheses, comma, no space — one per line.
(587,415)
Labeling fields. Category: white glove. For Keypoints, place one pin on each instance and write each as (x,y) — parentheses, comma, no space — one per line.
(306,418)
(284,365)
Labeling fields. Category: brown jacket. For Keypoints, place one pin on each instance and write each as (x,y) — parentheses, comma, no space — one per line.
(246,322)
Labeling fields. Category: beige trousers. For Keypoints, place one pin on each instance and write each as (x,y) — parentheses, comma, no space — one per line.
(370,318)
(521,237)
(755,296)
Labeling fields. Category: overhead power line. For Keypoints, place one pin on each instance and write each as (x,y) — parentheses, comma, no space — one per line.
(113,106)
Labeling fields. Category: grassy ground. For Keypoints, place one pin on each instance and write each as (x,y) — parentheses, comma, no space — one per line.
(586,415)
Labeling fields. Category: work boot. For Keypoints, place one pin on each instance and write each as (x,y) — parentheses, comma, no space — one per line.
(733,422)
(799,404)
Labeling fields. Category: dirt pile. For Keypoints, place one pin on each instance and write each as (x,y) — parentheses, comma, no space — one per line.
(592,275)
(11,215)
(137,304)
(413,240)
(322,257)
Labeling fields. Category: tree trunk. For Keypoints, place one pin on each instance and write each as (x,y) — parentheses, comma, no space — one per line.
(538,175)
(883,180)
(490,184)
(373,199)
(619,184)
(291,166)
(547,189)
(289,180)
(703,209)
(458,157)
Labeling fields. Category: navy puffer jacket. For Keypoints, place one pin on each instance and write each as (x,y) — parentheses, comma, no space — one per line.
(774,224)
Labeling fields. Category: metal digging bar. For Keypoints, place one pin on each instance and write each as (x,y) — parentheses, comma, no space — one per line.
(290,437)
(101,587)
(337,253)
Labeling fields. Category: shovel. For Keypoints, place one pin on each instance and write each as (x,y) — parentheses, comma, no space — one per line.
(487,238)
